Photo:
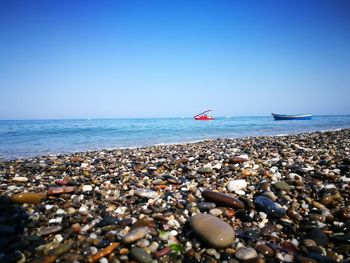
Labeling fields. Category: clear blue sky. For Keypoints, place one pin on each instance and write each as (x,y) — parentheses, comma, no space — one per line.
(79,59)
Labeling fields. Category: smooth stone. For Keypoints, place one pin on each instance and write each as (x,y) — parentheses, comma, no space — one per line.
(135,234)
(109,220)
(212,230)
(282,186)
(140,255)
(181,161)
(327,200)
(318,236)
(20,179)
(145,193)
(270,208)
(28,198)
(206,206)
(269,194)
(239,159)
(265,250)
(84,210)
(246,253)
(215,211)
(87,188)
(309,242)
(244,216)
(235,185)
(316,217)
(49,230)
(205,170)
(222,199)
(61,190)
(48,248)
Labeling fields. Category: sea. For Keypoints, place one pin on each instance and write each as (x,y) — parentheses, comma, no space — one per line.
(29,138)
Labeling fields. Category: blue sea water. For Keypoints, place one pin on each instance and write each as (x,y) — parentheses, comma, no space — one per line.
(29,138)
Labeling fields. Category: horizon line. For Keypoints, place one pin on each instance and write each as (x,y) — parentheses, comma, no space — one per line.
(180,117)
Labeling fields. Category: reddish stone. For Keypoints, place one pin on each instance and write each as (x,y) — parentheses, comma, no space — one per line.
(163,252)
(61,182)
(61,190)
(222,199)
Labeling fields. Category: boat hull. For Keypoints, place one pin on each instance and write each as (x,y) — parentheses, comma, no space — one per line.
(279,117)
(203,118)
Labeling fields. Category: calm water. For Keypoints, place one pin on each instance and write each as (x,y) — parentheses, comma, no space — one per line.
(40,137)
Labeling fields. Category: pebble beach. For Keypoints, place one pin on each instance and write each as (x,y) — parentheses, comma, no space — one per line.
(254,199)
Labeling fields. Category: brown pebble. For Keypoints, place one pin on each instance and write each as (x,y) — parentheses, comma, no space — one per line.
(61,190)
(104,252)
(123,251)
(29,198)
(222,199)
(163,252)
(238,159)
(316,217)
(327,199)
(265,250)
(212,230)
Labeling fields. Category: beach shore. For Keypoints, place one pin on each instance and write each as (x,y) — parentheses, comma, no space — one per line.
(255,199)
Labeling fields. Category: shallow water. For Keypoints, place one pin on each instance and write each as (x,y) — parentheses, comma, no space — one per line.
(40,137)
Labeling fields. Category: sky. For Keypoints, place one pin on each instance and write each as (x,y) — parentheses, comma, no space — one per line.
(120,59)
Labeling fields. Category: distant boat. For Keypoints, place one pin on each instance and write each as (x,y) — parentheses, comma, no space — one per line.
(204,116)
(291,117)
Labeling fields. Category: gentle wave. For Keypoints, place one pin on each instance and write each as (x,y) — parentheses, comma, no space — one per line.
(42,137)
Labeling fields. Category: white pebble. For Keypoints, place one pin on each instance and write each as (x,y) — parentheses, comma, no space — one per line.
(262,215)
(58,238)
(238,184)
(103,260)
(60,212)
(48,207)
(84,210)
(87,188)
(59,220)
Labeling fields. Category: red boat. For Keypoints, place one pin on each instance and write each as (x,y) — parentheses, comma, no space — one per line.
(204,116)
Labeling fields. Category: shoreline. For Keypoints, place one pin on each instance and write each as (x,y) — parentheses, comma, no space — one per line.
(245,199)
(165,144)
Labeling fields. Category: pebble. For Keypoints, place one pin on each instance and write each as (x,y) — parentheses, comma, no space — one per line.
(135,234)
(282,186)
(265,250)
(106,251)
(19,179)
(222,199)
(212,230)
(269,207)
(61,190)
(239,159)
(245,253)
(49,230)
(84,210)
(140,255)
(215,211)
(205,170)
(206,206)
(318,236)
(29,198)
(87,188)
(103,196)
(145,193)
(234,185)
